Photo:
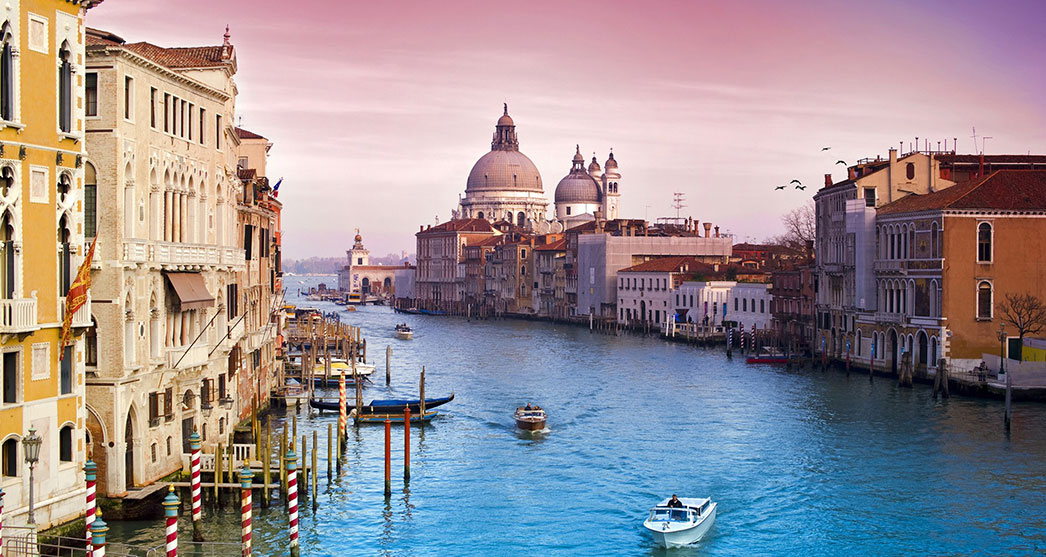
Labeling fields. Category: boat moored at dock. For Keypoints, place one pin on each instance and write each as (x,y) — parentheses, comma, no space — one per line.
(386,406)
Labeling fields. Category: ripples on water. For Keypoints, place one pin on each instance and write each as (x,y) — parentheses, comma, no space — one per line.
(800,462)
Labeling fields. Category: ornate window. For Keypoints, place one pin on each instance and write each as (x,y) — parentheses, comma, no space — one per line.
(984,243)
(7,74)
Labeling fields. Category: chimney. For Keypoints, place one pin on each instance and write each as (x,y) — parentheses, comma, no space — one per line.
(708,230)
(421,228)
(893,156)
(697,231)
(827,180)
(429,227)
(717,232)
(851,173)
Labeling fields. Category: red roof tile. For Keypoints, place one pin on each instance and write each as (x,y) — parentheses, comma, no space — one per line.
(558,245)
(244,134)
(672,264)
(1002,190)
(174,58)
(461,225)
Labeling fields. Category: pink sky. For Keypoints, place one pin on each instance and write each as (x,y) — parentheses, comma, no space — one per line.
(378,110)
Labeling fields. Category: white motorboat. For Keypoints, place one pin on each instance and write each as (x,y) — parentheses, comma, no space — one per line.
(404,332)
(339,365)
(679,526)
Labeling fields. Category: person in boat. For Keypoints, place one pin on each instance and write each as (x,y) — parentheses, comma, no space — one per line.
(528,407)
(674,502)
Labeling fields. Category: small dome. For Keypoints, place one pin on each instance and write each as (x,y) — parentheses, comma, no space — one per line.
(578,157)
(611,163)
(577,186)
(593,167)
(358,238)
(505,120)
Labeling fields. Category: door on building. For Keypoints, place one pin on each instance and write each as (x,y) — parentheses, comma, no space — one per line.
(188,424)
(365,286)
(891,345)
(129,453)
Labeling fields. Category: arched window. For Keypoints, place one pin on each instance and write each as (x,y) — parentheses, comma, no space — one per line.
(521,219)
(933,241)
(984,300)
(910,247)
(65,444)
(65,262)
(91,344)
(7,74)
(480,214)
(64,186)
(909,171)
(90,201)
(10,457)
(65,89)
(8,268)
(858,343)
(984,243)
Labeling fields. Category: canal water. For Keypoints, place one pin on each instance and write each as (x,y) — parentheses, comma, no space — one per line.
(800,462)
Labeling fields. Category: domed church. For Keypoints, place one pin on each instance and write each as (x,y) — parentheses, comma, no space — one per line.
(505,185)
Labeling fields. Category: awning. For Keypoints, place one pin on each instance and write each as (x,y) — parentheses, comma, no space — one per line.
(190,290)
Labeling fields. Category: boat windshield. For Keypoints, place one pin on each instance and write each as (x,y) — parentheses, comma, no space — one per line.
(669,515)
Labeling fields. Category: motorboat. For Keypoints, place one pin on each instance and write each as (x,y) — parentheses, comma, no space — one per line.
(767,355)
(681,525)
(339,365)
(404,332)
(383,406)
(531,418)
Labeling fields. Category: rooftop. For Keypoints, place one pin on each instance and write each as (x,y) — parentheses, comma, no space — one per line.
(1002,190)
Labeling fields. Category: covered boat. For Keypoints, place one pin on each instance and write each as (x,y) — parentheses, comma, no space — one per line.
(530,418)
(676,526)
(384,405)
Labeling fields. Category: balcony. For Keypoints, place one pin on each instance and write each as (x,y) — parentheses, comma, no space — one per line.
(18,315)
(890,266)
(180,254)
(185,358)
(136,251)
(82,317)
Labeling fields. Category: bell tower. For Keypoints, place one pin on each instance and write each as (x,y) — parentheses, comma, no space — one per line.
(610,180)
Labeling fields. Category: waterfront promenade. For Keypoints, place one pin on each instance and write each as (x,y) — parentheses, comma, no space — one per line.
(801,462)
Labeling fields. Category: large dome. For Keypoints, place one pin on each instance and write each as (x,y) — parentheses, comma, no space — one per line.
(504,171)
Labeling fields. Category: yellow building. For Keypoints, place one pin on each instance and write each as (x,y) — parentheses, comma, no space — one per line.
(42,206)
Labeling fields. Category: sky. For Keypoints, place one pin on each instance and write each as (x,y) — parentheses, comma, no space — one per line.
(378,110)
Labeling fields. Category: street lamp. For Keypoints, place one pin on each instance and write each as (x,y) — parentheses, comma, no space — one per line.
(1002,349)
(31,445)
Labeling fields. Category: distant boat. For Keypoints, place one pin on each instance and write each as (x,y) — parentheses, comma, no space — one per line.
(767,355)
(531,419)
(383,406)
(679,526)
(412,311)
(404,332)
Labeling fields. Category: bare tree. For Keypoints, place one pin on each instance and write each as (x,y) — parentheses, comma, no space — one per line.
(1026,313)
(800,227)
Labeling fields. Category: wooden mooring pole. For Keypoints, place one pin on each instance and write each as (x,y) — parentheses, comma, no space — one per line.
(388,458)
(388,364)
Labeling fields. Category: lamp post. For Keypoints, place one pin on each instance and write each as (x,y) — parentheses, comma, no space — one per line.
(1002,350)
(31,445)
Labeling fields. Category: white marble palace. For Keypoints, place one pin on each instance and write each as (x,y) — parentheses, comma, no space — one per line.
(504,184)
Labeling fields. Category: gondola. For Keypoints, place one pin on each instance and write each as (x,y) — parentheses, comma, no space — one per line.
(383,406)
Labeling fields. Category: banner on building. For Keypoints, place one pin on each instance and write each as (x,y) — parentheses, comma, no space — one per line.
(77,295)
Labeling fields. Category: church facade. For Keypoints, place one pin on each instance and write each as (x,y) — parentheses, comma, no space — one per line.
(505,185)
(360,277)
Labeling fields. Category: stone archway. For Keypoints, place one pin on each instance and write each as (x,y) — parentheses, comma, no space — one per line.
(98,449)
(365,286)
(129,451)
(922,346)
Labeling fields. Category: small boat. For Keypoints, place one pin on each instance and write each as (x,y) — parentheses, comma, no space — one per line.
(767,356)
(530,418)
(679,526)
(339,365)
(383,406)
(404,332)
(396,418)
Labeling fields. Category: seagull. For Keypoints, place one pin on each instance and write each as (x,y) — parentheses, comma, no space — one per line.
(800,187)
(780,187)
(840,162)
(795,182)
(825,148)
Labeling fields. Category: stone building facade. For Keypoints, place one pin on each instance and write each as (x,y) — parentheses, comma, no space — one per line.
(169,262)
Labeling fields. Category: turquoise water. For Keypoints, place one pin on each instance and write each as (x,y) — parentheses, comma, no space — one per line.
(800,462)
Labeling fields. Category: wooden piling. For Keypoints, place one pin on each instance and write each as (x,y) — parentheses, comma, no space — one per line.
(266,458)
(217,474)
(421,389)
(388,364)
(330,454)
(406,443)
(364,350)
(283,471)
(388,458)
(312,472)
(304,461)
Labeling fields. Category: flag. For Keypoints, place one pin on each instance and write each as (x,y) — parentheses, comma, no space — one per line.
(77,295)
(276,188)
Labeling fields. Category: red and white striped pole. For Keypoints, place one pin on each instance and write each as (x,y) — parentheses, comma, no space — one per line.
(194,469)
(290,461)
(90,472)
(342,419)
(245,509)
(170,512)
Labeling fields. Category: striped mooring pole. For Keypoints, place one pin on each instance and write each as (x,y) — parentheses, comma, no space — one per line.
(245,509)
(290,461)
(98,530)
(90,472)
(170,512)
(342,421)
(194,470)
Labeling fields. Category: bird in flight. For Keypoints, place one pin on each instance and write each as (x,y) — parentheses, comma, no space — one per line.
(825,148)
(840,162)
(795,182)
(780,187)
(800,187)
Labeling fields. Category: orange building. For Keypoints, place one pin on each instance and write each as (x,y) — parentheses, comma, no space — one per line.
(945,261)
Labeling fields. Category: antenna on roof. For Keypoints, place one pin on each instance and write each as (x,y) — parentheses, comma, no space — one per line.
(677,202)
(974,136)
